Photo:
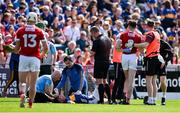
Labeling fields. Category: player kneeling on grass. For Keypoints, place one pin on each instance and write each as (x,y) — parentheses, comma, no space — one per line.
(44,87)
(78,97)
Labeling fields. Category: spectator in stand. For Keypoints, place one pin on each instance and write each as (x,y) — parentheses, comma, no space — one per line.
(80,19)
(168,15)
(47,15)
(175,4)
(60,62)
(71,47)
(160,28)
(11,22)
(21,21)
(50,33)
(74,12)
(57,26)
(32,7)
(76,54)
(174,59)
(117,28)
(21,11)
(57,12)
(6,19)
(83,10)
(79,60)
(5,4)
(72,32)
(76,3)
(151,9)
(98,22)
(85,26)
(117,15)
(82,43)
(106,29)
(67,13)
(93,11)
(171,36)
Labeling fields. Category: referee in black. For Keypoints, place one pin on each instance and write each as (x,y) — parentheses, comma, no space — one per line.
(101,50)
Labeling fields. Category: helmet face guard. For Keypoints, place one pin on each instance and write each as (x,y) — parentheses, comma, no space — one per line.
(32,17)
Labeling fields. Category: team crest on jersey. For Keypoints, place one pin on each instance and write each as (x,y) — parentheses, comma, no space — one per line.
(130,41)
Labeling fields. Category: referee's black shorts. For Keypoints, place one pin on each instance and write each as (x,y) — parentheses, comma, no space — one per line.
(101,69)
(152,66)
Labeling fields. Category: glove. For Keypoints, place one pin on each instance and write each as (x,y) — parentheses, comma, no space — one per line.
(78,92)
(129,44)
(56,91)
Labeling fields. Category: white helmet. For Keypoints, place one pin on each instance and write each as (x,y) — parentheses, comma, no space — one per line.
(32,16)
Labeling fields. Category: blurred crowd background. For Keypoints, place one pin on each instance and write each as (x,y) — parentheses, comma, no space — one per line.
(66,23)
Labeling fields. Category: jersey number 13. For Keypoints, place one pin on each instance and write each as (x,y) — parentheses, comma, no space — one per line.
(29,40)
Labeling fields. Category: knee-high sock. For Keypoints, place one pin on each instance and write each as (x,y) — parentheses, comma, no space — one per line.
(101,93)
(107,90)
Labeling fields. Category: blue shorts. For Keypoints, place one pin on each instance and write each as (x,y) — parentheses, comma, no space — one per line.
(14,62)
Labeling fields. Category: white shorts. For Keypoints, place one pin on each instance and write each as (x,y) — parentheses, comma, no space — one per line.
(129,61)
(28,63)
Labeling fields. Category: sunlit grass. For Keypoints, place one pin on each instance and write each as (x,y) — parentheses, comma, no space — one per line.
(11,105)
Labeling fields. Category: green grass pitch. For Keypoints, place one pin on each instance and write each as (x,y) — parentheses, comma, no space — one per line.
(11,105)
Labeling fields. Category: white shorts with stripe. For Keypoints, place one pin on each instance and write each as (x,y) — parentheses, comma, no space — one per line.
(129,61)
(29,63)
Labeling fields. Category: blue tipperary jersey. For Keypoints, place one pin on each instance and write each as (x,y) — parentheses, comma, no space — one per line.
(169,13)
(74,76)
(81,98)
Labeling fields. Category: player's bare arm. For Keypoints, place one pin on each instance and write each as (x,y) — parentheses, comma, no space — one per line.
(45,48)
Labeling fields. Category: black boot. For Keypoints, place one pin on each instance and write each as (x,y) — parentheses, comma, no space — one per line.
(145,100)
(101,94)
(107,90)
(125,99)
(163,101)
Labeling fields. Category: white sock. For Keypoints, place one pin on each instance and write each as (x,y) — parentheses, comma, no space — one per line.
(22,88)
(164,94)
(150,100)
